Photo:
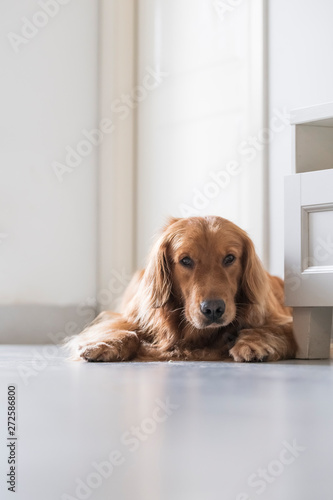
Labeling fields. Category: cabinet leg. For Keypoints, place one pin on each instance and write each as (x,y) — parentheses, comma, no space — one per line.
(312,329)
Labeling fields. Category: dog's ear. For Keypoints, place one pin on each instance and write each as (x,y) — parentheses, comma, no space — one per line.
(254,284)
(157,279)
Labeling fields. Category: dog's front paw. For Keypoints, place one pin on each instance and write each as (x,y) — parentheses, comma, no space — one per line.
(122,348)
(251,347)
(101,351)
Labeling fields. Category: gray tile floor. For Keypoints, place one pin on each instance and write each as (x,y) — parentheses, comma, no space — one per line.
(167,431)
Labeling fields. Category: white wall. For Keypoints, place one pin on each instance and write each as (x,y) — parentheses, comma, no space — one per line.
(300,75)
(192,125)
(48,96)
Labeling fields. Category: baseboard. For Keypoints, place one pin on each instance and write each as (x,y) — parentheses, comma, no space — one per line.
(41,324)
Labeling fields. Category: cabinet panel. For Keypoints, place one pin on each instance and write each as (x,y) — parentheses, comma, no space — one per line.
(309,239)
(320,238)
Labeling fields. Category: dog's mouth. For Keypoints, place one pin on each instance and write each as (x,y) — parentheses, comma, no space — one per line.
(206,324)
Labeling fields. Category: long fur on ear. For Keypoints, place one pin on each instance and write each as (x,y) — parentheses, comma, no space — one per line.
(254,285)
(156,279)
(156,284)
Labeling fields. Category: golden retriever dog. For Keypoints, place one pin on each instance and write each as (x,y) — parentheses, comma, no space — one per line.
(204,295)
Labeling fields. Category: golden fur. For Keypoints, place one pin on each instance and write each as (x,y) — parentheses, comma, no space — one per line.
(161,316)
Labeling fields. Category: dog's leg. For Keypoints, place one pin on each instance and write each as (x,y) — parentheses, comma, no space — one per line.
(269,343)
(108,338)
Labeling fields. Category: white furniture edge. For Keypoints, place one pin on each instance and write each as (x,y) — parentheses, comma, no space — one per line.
(312,325)
(313,113)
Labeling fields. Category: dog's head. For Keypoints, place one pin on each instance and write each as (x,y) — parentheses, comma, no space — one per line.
(207,266)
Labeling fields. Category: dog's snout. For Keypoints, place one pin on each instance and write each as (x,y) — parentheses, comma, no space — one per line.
(212,309)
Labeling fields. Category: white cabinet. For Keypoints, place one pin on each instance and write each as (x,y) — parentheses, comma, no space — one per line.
(309,230)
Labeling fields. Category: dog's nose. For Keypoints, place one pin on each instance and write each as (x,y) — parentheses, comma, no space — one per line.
(212,309)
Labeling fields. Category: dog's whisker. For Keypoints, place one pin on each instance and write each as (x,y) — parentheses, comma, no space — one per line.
(177,309)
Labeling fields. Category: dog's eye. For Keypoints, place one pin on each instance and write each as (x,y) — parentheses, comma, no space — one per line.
(186,262)
(229,259)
